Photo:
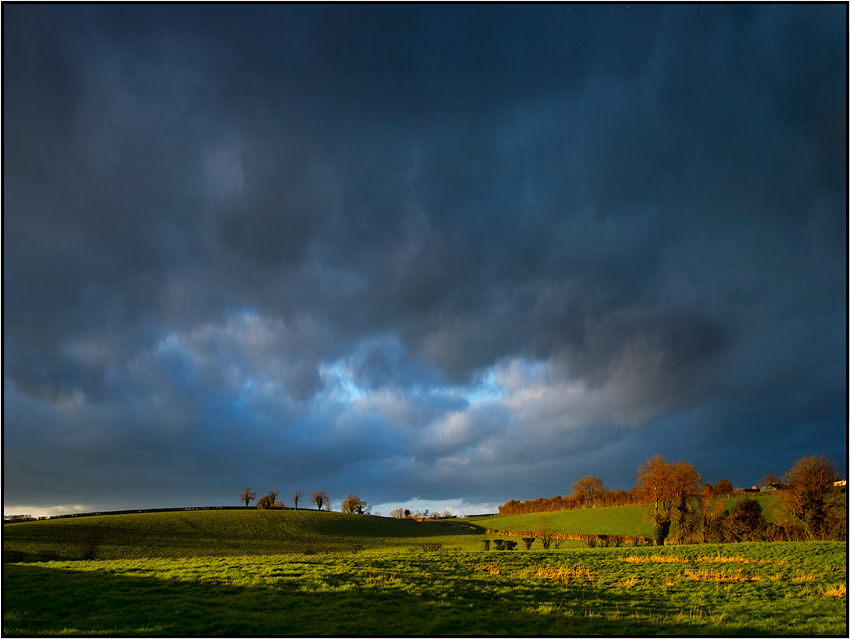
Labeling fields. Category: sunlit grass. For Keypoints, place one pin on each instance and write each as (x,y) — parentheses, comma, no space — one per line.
(448,592)
(194,583)
(223,533)
(635,520)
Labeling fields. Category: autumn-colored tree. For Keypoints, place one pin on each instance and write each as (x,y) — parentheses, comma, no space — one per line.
(247,495)
(668,487)
(269,500)
(723,487)
(320,498)
(710,510)
(589,490)
(810,496)
(353,504)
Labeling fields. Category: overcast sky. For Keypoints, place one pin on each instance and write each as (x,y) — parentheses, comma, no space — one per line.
(442,256)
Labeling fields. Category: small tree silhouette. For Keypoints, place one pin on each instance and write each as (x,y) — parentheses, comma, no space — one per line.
(247,495)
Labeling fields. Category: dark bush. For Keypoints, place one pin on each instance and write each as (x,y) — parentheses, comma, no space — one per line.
(745,522)
(662,530)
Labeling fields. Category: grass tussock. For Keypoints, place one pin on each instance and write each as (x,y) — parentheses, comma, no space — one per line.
(565,574)
(736,560)
(381,578)
(630,582)
(715,575)
(654,559)
(836,591)
(802,577)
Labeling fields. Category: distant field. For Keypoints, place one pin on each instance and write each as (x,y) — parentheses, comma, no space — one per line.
(634,520)
(208,533)
(615,520)
(219,534)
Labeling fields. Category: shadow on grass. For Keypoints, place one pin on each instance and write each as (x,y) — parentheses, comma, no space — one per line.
(39,599)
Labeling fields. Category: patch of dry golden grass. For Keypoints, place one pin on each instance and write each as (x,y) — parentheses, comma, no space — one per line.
(801,577)
(836,591)
(737,560)
(654,559)
(714,575)
(565,575)
(628,583)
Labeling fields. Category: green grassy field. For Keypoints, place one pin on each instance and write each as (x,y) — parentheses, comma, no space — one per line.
(633,520)
(615,520)
(237,573)
(213,533)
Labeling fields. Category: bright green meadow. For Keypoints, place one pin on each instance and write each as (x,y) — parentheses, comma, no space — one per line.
(634,520)
(306,573)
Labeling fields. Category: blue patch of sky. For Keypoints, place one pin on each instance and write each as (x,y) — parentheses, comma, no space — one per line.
(487,389)
(339,384)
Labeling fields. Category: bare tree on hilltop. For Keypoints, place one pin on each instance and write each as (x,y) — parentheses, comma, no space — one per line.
(320,498)
(247,495)
(296,497)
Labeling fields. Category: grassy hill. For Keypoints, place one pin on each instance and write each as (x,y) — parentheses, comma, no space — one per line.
(219,533)
(213,533)
(245,572)
(634,520)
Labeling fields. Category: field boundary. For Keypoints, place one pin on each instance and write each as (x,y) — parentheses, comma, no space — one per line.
(152,510)
(604,540)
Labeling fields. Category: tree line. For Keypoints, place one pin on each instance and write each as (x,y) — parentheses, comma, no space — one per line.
(686,510)
(351,504)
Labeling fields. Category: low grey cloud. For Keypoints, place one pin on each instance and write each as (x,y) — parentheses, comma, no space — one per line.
(449,253)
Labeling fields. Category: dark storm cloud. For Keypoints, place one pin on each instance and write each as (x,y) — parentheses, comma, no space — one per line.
(430,251)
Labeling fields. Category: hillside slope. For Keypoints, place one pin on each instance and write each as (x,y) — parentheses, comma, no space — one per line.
(216,533)
(633,520)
